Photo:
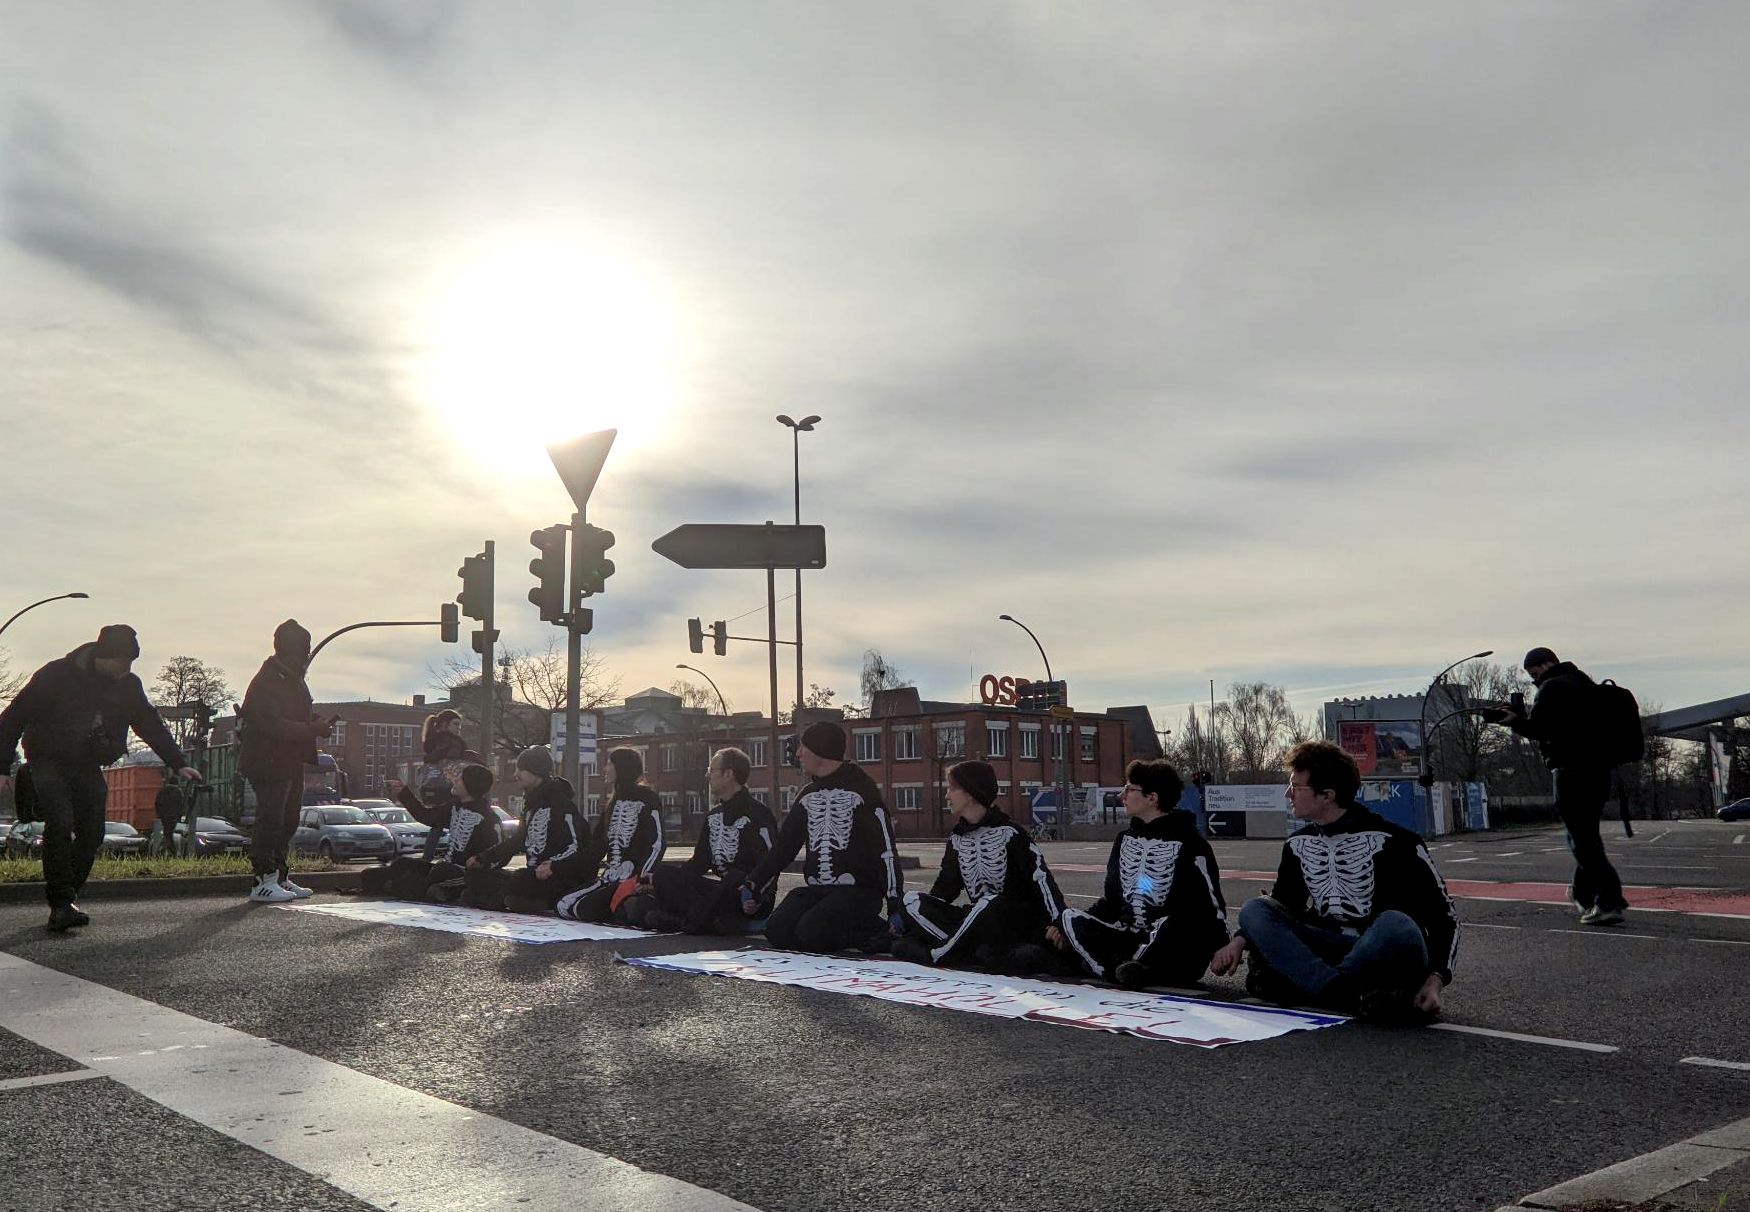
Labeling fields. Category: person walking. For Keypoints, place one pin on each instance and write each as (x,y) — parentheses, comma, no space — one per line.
(73,717)
(278,735)
(1563,722)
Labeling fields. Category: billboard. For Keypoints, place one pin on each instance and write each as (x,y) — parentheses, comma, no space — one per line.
(1384,749)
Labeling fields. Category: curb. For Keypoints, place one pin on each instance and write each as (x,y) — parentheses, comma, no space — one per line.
(1651,1175)
(182,885)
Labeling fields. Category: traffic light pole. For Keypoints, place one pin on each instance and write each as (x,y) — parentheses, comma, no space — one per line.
(574,669)
(772,637)
(334,635)
(488,700)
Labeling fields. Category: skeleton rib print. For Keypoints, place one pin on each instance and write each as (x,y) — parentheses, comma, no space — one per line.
(1338,870)
(535,841)
(983,855)
(831,812)
(725,839)
(1145,873)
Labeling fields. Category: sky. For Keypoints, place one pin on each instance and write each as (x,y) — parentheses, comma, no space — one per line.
(1320,346)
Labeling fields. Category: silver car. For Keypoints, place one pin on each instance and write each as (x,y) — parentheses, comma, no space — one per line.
(340,832)
(409,834)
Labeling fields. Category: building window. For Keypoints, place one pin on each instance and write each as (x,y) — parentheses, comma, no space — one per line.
(338,740)
(759,794)
(671,757)
(1030,743)
(868,746)
(996,741)
(1090,745)
(789,796)
(905,744)
(951,740)
(1057,744)
(756,753)
(905,799)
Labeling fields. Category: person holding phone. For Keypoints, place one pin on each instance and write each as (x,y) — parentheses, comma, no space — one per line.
(278,733)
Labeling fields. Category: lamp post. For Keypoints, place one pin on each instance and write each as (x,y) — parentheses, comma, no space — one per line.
(58,597)
(1427,776)
(720,700)
(797,428)
(1060,769)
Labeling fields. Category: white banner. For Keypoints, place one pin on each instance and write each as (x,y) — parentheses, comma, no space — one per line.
(459,919)
(589,725)
(1157,1016)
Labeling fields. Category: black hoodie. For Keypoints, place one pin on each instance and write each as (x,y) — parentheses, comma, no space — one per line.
(548,832)
(471,827)
(71,715)
(734,839)
(1164,869)
(1562,719)
(843,821)
(1345,874)
(627,840)
(995,858)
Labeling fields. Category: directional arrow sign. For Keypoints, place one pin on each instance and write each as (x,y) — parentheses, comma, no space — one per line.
(709,545)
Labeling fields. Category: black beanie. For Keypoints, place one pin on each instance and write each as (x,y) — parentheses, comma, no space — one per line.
(291,639)
(977,779)
(1539,656)
(118,642)
(476,780)
(537,761)
(825,740)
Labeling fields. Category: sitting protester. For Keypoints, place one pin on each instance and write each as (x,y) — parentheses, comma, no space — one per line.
(701,895)
(548,837)
(851,871)
(1162,917)
(1359,920)
(466,826)
(625,846)
(1011,897)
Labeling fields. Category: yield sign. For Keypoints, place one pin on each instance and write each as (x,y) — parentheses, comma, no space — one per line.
(712,545)
(579,462)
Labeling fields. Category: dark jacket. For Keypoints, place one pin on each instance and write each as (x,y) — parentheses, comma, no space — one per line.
(69,714)
(627,840)
(735,839)
(843,821)
(276,738)
(994,858)
(1345,874)
(548,832)
(471,826)
(1562,719)
(446,747)
(1164,870)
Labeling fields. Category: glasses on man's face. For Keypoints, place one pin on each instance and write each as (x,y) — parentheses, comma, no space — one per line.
(1129,787)
(1294,787)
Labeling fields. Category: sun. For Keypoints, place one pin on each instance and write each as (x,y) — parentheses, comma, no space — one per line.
(532,340)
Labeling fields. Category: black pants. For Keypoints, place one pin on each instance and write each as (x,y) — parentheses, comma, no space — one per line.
(1170,958)
(71,801)
(411,879)
(826,917)
(1580,797)
(278,804)
(496,888)
(591,903)
(955,932)
(706,904)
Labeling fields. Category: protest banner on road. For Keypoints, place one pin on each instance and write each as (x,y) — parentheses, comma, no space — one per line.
(459,919)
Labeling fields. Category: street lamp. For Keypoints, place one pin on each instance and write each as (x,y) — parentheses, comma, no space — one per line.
(1017,622)
(9,622)
(1427,776)
(1061,768)
(797,428)
(707,677)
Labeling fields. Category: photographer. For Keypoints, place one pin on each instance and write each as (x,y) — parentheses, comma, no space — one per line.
(74,717)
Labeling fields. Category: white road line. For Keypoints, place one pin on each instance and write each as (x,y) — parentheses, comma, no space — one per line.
(1724,942)
(1471,859)
(1651,1175)
(1488,926)
(1711,1063)
(1603,932)
(325,1119)
(1551,1041)
(48,1079)
(1739,840)
(1511,854)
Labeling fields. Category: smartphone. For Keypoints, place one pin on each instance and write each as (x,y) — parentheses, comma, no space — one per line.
(1516,701)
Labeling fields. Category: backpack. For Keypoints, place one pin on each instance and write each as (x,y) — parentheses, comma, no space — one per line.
(1617,726)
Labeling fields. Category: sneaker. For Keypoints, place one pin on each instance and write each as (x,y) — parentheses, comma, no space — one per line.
(267,891)
(442,894)
(1390,1008)
(1601,917)
(61,918)
(297,890)
(80,917)
(911,951)
(1130,975)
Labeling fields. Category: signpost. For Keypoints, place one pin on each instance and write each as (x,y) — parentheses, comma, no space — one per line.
(771,547)
(589,730)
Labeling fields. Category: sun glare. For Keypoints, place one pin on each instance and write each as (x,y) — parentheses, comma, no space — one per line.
(530,343)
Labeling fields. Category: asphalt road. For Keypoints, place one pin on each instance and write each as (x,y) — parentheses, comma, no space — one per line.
(797,1099)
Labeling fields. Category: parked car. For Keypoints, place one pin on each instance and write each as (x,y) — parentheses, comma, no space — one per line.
(1737,810)
(25,840)
(342,831)
(121,839)
(409,834)
(213,835)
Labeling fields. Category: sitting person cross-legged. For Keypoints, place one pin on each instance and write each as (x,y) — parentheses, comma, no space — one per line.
(1359,920)
(464,821)
(1011,897)
(1161,917)
(700,896)
(548,837)
(626,844)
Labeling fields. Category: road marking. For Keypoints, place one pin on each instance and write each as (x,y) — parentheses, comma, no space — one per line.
(1471,859)
(1511,854)
(1549,1040)
(48,1079)
(1651,1175)
(1603,932)
(1711,1063)
(1739,840)
(325,1119)
(1724,942)
(1488,926)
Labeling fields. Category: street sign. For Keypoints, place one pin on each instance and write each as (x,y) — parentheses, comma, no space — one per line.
(579,462)
(588,727)
(715,545)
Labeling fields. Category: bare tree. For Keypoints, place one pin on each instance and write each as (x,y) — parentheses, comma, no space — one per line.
(818,697)
(1262,723)
(878,674)
(10,683)
(691,694)
(1203,744)
(186,679)
(531,689)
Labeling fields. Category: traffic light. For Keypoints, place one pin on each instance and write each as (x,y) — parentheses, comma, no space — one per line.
(449,623)
(720,637)
(593,567)
(476,595)
(790,758)
(484,639)
(696,635)
(549,569)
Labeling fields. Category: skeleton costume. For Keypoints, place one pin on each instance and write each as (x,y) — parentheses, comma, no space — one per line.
(850,872)
(703,891)
(1359,898)
(627,844)
(548,833)
(1010,894)
(1162,906)
(470,827)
